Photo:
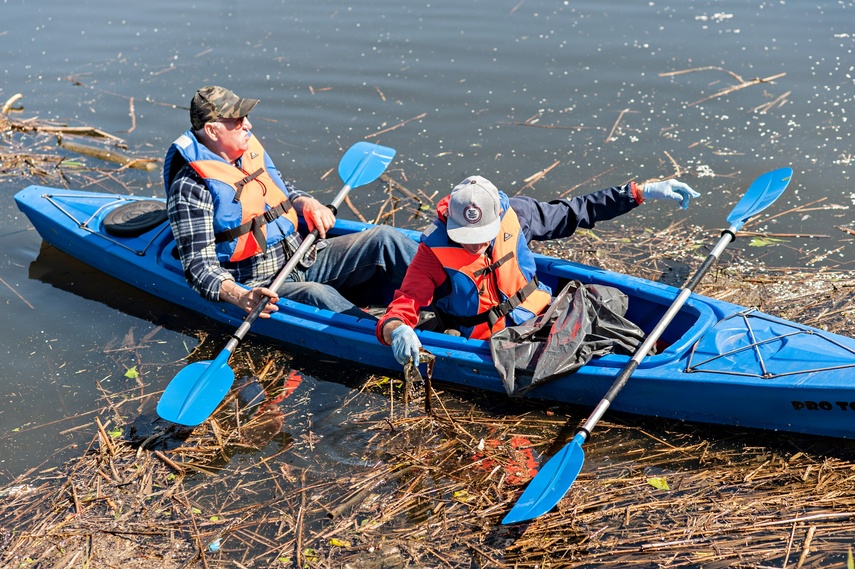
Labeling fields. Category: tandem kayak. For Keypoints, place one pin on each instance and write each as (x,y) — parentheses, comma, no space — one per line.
(722,363)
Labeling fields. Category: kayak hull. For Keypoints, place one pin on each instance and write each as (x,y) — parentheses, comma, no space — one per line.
(723,364)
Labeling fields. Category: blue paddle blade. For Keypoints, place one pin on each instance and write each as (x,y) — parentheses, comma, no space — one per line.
(196,391)
(760,195)
(364,162)
(547,488)
(551,483)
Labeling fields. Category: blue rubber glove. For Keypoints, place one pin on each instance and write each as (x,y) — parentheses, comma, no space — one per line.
(405,345)
(672,190)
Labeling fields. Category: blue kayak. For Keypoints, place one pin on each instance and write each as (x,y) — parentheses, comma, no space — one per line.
(723,364)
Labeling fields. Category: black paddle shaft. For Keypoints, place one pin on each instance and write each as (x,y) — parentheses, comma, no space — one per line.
(283,274)
(727,236)
(559,473)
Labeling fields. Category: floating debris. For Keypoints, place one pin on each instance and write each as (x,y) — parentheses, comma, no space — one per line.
(16,159)
(258,486)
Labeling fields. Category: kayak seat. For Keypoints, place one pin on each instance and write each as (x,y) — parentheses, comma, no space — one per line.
(428,321)
(135,218)
(376,311)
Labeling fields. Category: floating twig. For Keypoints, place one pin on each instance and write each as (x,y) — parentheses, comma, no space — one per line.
(9,102)
(353,209)
(397,126)
(16,293)
(397,186)
(677,170)
(133,115)
(589,180)
(556,126)
(778,102)
(743,85)
(29,126)
(537,176)
(806,547)
(617,122)
(147,164)
(697,69)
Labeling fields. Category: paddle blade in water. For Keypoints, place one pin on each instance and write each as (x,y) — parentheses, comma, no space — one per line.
(551,483)
(195,392)
(364,162)
(760,195)
(547,488)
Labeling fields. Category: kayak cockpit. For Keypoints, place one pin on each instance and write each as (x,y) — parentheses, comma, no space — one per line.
(143,230)
(648,301)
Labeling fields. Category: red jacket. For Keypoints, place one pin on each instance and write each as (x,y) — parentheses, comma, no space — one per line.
(539,221)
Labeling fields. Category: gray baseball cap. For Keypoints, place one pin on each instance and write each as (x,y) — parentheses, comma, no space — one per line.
(211,103)
(474,211)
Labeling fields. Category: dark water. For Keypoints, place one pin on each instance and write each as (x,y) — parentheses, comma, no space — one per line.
(504,89)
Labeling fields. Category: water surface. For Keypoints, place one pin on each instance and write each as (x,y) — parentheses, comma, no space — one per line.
(503,89)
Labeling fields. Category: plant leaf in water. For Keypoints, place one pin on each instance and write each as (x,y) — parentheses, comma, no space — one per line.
(659,483)
(764,241)
(132,373)
(461,495)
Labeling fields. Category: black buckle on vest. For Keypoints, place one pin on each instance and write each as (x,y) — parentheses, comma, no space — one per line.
(494,265)
(254,225)
(247,179)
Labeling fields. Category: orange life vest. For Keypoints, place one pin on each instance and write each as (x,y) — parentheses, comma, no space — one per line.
(251,208)
(487,288)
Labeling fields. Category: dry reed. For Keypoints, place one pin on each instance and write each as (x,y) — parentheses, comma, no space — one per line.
(260,488)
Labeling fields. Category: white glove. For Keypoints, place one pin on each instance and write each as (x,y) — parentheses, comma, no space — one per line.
(672,190)
(405,345)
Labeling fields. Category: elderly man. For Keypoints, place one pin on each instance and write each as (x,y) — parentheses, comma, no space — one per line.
(235,220)
(474,265)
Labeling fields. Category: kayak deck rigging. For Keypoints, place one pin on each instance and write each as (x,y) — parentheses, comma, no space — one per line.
(770,342)
(69,205)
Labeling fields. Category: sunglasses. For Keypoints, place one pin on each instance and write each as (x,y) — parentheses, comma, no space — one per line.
(233,124)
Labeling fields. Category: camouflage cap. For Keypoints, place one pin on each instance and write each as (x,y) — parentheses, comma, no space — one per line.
(211,103)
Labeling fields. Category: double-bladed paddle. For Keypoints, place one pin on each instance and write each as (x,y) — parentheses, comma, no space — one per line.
(196,390)
(556,476)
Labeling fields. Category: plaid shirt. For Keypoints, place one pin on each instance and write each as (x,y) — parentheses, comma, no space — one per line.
(191,214)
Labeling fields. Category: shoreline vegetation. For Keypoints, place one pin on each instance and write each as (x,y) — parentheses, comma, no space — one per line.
(429,490)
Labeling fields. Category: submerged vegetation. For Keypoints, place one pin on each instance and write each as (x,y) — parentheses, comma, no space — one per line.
(380,483)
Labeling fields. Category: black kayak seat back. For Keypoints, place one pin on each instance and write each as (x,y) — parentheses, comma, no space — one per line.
(135,218)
